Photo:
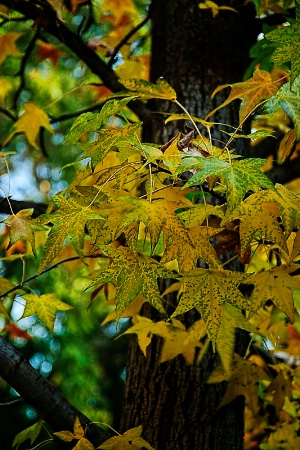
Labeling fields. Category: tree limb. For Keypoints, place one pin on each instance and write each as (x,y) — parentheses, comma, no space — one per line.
(18,205)
(53,407)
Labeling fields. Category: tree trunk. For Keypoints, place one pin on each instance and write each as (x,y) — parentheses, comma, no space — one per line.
(194,53)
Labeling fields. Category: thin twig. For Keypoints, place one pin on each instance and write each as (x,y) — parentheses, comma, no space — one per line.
(24,61)
(33,277)
(125,39)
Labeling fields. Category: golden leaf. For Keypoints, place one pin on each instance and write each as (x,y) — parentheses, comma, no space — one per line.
(30,122)
(251,92)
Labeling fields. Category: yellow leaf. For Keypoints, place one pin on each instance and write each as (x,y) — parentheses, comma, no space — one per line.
(259,221)
(276,285)
(8,46)
(44,307)
(251,92)
(244,381)
(231,318)
(78,430)
(5,87)
(208,289)
(208,4)
(65,436)
(84,444)
(130,440)
(145,89)
(145,328)
(286,145)
(30,122)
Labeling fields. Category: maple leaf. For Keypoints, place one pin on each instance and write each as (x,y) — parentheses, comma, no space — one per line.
(132,274)
(208,4)
(89,121)
(208,289)
(287,98)
(239,177)
(31,433)
(30,122)
(287,40)
(145,89)
(44,307)
(130,440)
(109,138)
(68,221)
(281,386)
(8,46)
(145,328)
(276,285)
(231,318)
(21,227)
(259,219)
(251,92)
(180,342)
(158,215)
(244,380)
(286,437)
(48,51)
(187,252)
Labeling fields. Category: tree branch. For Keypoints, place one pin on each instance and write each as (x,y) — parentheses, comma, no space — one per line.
(18,205)
(53,407)
(46,16)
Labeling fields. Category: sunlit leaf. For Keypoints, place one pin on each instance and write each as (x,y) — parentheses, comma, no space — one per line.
(44,307)
(132,274)
(287,39)
(276,285)
(251,92)
(30,122)
(145,89)
(130,440)
(208,289)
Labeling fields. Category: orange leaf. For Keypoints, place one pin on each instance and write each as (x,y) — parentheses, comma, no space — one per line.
(8,46)
(286,145)
(48,51)
(16,332)
(251,92)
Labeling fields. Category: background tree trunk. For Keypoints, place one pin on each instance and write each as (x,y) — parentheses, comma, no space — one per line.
(194,53)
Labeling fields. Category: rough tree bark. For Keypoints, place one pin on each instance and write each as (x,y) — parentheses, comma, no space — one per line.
(194,53)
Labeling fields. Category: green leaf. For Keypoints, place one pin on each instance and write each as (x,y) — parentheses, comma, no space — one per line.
(287,39)
(239,177)
(109,138)
(208,289)
(132,274)
(44,307)
(145,89)
(31,433)
(68,221)
(287,98)
(89,122)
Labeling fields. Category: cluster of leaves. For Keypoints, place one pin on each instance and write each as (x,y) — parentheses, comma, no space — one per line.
(135,208)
